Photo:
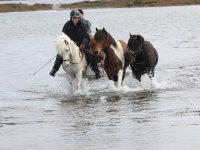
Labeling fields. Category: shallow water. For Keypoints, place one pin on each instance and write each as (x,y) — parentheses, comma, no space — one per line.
(41,112)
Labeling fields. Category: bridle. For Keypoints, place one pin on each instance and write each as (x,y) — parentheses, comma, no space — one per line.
(139,51)
(136,51)
(70,59)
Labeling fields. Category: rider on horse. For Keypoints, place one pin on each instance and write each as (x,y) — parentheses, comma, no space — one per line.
(77,31)
(86,22)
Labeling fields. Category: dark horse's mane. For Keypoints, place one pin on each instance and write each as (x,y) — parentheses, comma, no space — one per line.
(105,38)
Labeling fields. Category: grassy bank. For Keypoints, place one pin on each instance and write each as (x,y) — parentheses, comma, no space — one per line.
(97,4)
(24,7)
(130,3)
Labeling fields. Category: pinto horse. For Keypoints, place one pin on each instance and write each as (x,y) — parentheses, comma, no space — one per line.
(114,50)
(146,57)
(74,61)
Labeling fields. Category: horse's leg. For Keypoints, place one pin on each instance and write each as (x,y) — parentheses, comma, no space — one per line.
(79,83)
(73,83)
(134,72)
(79,79)
(151,73)
(84,74)
(120,75)
(138,77)
(115,79)
(124,73)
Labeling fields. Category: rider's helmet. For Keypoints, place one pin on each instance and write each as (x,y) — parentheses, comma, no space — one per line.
(75,13)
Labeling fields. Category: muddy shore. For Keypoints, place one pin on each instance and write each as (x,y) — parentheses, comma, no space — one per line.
(96,4)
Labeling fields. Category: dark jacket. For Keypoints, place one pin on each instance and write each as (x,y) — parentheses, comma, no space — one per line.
(88,25)
(77,33)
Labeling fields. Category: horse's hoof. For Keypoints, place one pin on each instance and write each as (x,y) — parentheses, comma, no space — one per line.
(97,75)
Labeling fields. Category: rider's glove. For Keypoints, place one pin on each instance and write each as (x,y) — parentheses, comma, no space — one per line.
(82,47)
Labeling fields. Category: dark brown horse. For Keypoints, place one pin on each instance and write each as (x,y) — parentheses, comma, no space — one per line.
(115,60)
(146,56)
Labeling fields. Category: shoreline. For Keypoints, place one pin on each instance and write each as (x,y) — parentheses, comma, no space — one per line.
(21,7)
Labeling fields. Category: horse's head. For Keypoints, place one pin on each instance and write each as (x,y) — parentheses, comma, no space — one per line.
(103,39)
(93,48)
(100,39)
(135,43)
(63,47)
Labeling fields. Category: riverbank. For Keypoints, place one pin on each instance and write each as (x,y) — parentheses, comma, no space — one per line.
(96,4)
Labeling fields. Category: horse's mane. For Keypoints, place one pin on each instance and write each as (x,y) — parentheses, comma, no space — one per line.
(105,38)
(60,42)
(66,37)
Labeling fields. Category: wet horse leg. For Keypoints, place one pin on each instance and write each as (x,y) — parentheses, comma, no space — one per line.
(151,73)
(115,79)
(76,81)
(136,72)
(79,79)
(120,76)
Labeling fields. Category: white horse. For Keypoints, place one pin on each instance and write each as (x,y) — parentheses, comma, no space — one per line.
(74,61)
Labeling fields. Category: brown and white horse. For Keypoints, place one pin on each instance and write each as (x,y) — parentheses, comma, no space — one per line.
(114,61)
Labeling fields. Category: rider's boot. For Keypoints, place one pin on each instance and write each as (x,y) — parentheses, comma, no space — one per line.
(93,59)
(56,65)
(94,65)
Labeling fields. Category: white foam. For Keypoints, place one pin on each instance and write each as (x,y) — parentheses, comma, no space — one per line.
(110,87)
(155,84)
(84,90)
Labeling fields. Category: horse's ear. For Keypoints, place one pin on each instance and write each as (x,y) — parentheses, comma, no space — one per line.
(104,29)
(130,34)
(97,29)
(140,39)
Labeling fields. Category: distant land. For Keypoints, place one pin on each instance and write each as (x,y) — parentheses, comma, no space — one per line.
(17,7)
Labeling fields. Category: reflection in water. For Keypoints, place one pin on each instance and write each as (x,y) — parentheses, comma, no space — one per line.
(113,120)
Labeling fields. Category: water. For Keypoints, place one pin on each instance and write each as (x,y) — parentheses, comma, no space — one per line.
(40,112)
